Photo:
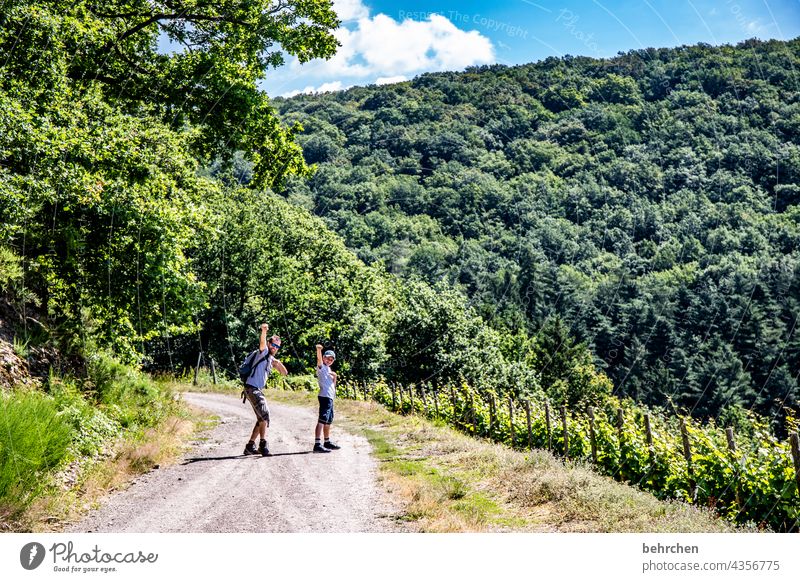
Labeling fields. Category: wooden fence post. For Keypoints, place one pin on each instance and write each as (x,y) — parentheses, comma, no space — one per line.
(794,441)
(197,368)
(528,419)
(213,371)
(687,453)
(511,419)
(453,400)
(592,436)
(566,432)
(472,413)
(436,400)
(621,438)
(648,433)
(394,400)
(732,450)
(491,415)
(547,424)
(411,396)
(424,398)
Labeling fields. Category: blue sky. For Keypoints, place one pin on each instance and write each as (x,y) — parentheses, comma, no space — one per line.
(390,40)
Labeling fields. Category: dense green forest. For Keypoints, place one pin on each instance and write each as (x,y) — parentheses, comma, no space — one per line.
(649,201)
(559,231)
(140,227)
(530,229)
(139,218)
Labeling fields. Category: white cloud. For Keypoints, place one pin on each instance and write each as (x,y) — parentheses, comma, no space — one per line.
(390,80)
(380,49)
(324,88)
(350,9)
(380,45)
(756,27)
(334,86)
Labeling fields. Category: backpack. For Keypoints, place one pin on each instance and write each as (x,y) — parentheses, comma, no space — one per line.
(249,365)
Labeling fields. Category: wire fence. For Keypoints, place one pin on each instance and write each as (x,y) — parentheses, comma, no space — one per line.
(748,478)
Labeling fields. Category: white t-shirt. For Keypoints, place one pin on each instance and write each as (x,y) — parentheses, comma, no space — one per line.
(327,385)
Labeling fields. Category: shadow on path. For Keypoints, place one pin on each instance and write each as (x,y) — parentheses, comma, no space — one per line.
(200,459)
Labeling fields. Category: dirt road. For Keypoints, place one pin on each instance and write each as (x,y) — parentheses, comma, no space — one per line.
(217,489)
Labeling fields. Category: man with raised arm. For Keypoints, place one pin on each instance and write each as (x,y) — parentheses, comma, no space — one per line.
(264,361)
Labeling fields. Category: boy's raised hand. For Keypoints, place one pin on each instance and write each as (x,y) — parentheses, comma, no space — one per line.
(319,347)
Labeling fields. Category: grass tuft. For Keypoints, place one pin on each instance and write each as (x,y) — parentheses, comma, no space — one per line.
(34,440)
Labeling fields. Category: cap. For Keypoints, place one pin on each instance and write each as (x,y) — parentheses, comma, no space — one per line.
(329,353)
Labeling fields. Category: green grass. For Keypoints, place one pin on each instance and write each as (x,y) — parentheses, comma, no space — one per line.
(116,418)
(450,482)
(205,382)
(34,440)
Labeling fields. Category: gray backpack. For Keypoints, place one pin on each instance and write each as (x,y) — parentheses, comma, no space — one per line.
(249,366)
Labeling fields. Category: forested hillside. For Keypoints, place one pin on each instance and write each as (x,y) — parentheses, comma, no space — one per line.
(545,234)
(650,201)
(140,229)
(139,219)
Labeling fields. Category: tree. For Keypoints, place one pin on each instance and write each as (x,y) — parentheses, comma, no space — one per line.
(225,48)
(435,335)
(275,262)
(565,369)
(106,210)
(616,89)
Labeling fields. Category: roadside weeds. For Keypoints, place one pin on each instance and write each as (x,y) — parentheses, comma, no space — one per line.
(136,454)
(445,481)
(450,482)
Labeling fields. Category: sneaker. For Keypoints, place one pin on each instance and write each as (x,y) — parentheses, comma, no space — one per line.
(320,449)
(250,449)
(263,449)
(332,446)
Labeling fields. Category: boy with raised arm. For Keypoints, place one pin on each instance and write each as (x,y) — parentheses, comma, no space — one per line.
(326,378)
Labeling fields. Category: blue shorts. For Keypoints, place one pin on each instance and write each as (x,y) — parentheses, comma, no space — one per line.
(325,410)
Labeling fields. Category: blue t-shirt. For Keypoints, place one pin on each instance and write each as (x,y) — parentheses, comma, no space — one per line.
(258,378)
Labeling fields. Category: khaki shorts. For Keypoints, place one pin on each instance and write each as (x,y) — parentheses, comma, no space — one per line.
(259,403)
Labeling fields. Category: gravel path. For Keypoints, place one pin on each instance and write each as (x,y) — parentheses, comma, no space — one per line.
(217,489)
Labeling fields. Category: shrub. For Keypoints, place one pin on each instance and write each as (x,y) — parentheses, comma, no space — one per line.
(127,395)
(34,439)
